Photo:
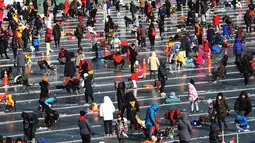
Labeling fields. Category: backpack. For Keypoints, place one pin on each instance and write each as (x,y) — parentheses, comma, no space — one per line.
(153,33)
(43,140)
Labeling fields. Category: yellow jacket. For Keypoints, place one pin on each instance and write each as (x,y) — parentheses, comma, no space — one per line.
(10,101)
(180,58)
(19,31)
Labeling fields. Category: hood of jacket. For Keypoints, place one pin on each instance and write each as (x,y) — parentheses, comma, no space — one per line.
(130,96)
(239,117)
(107,100)
(154,107)
(153,54)
(243,93)
(185,116)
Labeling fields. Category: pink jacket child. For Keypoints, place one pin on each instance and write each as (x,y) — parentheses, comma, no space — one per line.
(193,96)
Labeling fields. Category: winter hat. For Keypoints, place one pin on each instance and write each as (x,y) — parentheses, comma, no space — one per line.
(132,44)
(24,115)
(18,139)
(178,112)
(45,79)
(83,113)
(192,81)
(243,93)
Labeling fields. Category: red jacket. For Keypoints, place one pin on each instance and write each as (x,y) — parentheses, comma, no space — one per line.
(2,7)
(138,32)
(173,115)
(149,8)
(66,5)
(199,59)
(216,19)
(83,2)
(80,18)
(134,76)
(117,58)
(206,46)
(48,35)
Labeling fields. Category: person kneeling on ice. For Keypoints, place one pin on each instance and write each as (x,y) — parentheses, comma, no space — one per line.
(10,103)
(241,123)
(52,116)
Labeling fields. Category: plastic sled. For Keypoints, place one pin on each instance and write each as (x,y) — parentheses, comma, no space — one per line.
(148,85)
(3,96)
(72,38)
(171,100)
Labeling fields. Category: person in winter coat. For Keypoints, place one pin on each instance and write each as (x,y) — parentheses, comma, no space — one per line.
(4,38)
(248,21)
(174,116)
(213,135)
(152,33)
(150,119)
(106,112)
(162,76)
(69,70)
(219,72)
(121,88)
(226,30)
(118,60)
(154,64)
(241,123)
(133,10)
(66,8)
(210,35)
(25,37)
(132,107)
(142,6)
(133,55)
(10,103)
(238,48)
(243,104)
(193,96)
(21,62)
(221,109)
(30,122)
(121,128)
(19,31)
(57,34)
(216,21)
(44,93)
(184,128)
(78,57)
(79,33)
(85,128)
(143,36)
(88,88)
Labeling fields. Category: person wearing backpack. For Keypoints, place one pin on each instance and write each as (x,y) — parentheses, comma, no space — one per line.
(85,128)
(57,34)
(152,34)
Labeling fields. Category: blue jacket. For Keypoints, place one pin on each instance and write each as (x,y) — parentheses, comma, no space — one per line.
(150,118)
(162,12)
(108,5)
(176,45)
(225,29)
(49,100)
(238,47)
(216,49)
(242,120)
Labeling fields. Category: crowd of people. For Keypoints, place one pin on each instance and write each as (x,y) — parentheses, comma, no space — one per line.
(185,49)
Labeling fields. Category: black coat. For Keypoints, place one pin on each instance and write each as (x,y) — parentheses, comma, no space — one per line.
(131,105)
(88,85)
(210,34)
(185,44)
(133,54)
(221,107)
(56,32)
(243,104)
(162,73)
(29,119)
(69,70)
(247,18)
(25,34)
(120,94)
(44,90)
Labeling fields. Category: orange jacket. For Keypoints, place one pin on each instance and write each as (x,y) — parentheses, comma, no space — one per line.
(117,58)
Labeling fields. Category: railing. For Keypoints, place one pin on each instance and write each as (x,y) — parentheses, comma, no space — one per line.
(229,136)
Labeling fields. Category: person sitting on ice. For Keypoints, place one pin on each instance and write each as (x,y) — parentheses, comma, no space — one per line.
(241,123)
(10,103)
(198,60)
